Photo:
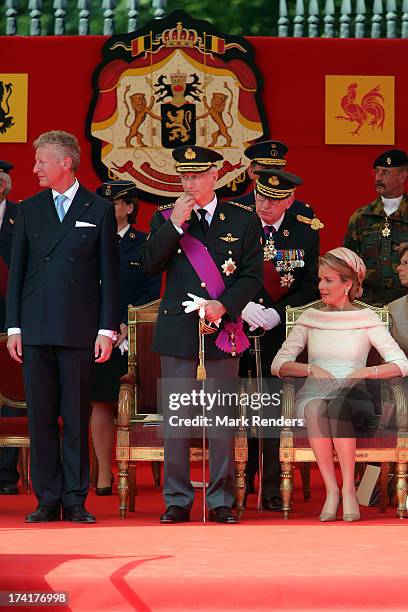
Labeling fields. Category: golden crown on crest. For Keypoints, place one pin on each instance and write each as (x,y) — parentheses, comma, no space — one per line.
(179,37)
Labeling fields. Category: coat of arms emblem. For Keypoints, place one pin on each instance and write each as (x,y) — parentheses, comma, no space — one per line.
(175,82)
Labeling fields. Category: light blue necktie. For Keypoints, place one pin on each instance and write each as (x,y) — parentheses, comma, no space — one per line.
(59,205)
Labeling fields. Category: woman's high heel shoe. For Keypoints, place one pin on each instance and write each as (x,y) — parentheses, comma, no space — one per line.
(105,490)
(351,517)
(326,517)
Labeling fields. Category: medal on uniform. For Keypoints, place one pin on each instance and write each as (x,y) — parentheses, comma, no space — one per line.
(228,267)
(287,280)
(386,231)
(269,250)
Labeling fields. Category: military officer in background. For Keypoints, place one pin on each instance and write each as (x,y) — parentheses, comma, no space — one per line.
(211,250)
(9,475)
(135,288)
(375,231)
(266,155)
(291,252)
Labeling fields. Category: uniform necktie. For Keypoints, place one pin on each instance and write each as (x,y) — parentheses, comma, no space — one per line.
(269,231)
(59,205)
(203,222)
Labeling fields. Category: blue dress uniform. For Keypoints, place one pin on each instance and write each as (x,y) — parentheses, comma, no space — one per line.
(290,279)
(234,234)
(9,475)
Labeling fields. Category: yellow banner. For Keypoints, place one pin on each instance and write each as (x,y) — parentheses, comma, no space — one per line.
(359,110)
(13,107)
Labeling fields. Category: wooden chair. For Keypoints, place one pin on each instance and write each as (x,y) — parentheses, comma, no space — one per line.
(14,430)
(140,428)
(384,447)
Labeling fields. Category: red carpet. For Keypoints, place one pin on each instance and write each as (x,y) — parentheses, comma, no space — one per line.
(265,563)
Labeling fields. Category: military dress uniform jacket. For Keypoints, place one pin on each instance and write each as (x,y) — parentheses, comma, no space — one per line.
(293,238)
(136,287)
(375,238)
(234,233)
(297,207)
(63,281)
(6,237)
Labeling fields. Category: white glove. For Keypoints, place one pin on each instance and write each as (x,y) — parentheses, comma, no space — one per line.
(254,315)
(124,346)
(272,318)
(196,303)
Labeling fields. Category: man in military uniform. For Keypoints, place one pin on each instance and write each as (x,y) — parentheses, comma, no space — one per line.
(375,231)
(266,155)
(9,475)
(291,252)
(211,250)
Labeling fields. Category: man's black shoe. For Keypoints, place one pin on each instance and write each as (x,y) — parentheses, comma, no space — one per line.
(44,514)
(77,514)
(222,514)
(175,514)
(273,504)
(8,489)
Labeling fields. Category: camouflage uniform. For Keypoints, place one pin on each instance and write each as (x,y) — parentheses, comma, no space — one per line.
(379,253)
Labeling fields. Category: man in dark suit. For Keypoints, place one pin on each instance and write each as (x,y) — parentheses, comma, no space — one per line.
(61,313)
(291,251)
(211,250)
(266,155)
(9,475)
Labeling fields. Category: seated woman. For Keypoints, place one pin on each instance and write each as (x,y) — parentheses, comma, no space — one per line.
(338,339)
(134,288)
(399,308)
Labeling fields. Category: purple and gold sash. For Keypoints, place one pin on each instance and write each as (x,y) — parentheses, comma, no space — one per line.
(231,338)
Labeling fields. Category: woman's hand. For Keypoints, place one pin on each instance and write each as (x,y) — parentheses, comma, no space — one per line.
(326,381)
(122,335)
(317,372)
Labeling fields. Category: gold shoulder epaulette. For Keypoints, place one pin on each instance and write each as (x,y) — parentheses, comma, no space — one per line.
(314,223)
(165,206)
(244,206)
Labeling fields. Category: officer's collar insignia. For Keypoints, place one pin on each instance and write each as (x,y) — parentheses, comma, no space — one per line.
(222,217)
(11,221)
(132,235)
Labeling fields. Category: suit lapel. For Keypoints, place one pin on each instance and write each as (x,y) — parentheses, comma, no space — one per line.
(47,208)
(79,206)
(219,224)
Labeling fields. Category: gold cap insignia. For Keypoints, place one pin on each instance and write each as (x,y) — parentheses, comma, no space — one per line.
(389,161)
(190,154)
(273,181)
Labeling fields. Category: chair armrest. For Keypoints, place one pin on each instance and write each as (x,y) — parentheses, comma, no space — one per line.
(399,389)
(288,398)
(125,404)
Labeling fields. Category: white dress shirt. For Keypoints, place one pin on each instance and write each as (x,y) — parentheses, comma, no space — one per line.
(2,211)
(209,212)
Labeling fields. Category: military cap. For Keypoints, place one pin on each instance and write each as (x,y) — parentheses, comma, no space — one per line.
(267,153)
(393,158)
(276,184)
(5,166)
(195,159)
(112,190)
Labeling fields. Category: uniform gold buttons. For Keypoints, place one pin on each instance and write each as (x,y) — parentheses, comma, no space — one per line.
(165,312)
(179,251)
(260,300)
(203,285)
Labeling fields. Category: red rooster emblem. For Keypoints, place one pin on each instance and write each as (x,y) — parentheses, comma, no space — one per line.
(370,110)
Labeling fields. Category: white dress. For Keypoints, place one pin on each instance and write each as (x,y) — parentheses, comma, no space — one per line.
(338,341)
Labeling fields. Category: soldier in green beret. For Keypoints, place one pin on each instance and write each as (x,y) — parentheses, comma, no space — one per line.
(375,231)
